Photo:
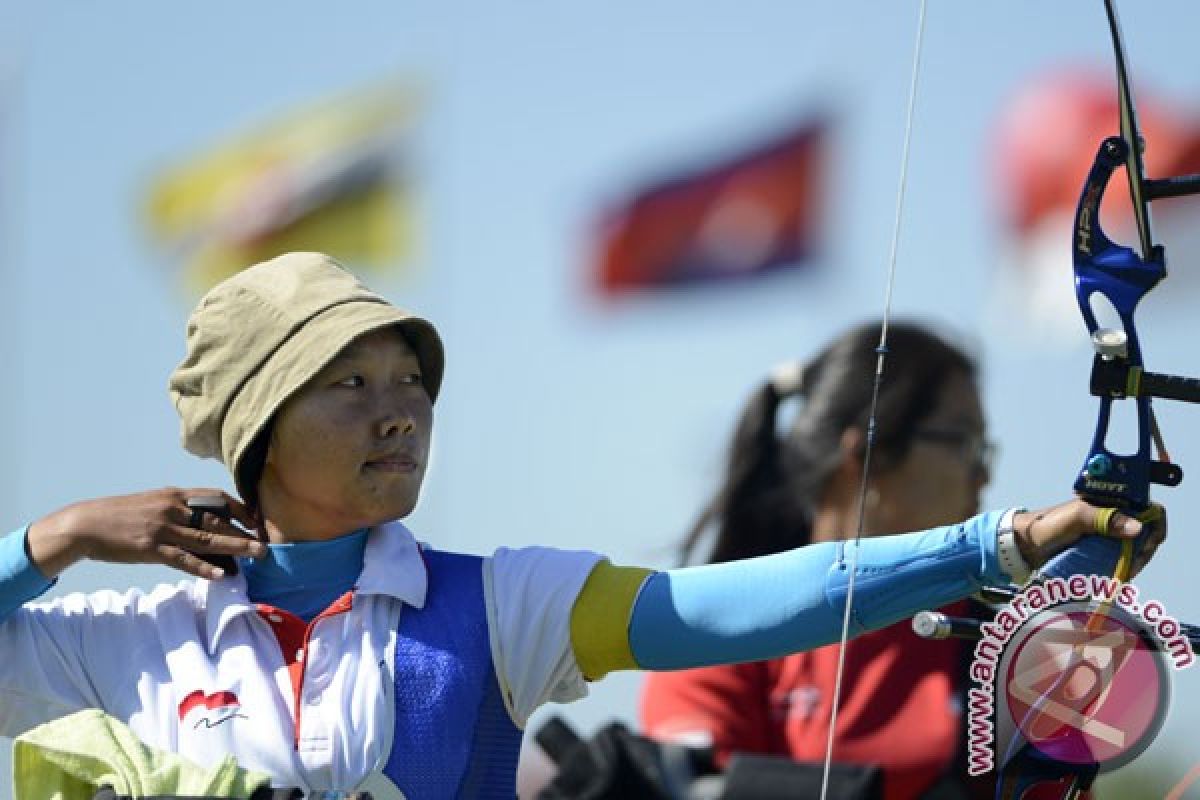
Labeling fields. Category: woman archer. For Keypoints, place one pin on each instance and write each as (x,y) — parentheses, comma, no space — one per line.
(347,647)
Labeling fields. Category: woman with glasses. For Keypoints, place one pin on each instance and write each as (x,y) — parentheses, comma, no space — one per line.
(798,480)
(336,649)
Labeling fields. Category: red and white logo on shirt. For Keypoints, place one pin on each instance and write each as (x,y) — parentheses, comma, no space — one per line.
(210,710)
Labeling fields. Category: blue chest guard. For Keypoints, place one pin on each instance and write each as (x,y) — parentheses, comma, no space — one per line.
(453,735)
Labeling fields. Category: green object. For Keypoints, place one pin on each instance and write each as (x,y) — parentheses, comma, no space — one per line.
(73,756)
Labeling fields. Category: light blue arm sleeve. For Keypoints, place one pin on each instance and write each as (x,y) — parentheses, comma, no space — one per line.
(20,580)
(769,606)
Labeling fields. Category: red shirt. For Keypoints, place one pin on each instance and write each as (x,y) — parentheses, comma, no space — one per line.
(899,706)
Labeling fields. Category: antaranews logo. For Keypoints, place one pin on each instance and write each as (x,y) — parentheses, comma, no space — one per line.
(1078,668)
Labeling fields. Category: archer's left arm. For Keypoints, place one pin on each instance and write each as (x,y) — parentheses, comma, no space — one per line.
(769,606)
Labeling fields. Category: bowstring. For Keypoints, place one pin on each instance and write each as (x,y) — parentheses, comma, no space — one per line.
(881,355)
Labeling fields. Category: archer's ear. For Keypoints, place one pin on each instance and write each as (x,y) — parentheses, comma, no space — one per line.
(853,448)
(844,481)
(852,444)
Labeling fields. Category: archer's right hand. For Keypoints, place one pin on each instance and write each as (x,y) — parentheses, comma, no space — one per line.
(145,528)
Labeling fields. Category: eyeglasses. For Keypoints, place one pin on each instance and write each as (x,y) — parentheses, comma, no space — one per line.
(975,449)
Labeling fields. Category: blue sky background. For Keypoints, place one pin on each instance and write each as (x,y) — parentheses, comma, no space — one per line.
(562,422)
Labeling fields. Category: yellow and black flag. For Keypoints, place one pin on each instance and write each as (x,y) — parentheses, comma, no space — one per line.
(329,178)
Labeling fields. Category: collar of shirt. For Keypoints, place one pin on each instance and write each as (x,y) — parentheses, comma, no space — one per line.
(392,566)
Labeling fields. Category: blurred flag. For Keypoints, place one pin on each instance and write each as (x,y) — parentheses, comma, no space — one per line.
(753,212)
(326,178)
(1045,141)
(1048,136)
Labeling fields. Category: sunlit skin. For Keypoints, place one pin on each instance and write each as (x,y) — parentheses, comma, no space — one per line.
(350,448)
(932,485)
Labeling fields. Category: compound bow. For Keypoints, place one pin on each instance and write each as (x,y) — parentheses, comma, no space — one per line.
(1122,276)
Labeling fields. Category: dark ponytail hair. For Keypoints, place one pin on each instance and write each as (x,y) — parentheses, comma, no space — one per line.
(773,481)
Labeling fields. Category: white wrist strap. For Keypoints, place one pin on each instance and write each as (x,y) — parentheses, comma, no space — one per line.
(1011,560)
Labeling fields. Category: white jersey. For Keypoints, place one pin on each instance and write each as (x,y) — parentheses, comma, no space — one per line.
(194,668)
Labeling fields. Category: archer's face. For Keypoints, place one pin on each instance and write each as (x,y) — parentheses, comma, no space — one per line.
(349,449)
(941,478)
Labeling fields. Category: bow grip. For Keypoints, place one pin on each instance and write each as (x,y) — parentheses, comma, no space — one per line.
(1091,555)
(1104,555)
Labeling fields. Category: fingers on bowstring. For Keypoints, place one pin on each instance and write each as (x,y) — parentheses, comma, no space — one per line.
(242,513)
(217,536)
(190,563)
(238,510)
(221,522)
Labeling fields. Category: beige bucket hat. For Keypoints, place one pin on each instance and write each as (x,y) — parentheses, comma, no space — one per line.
(260,335)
